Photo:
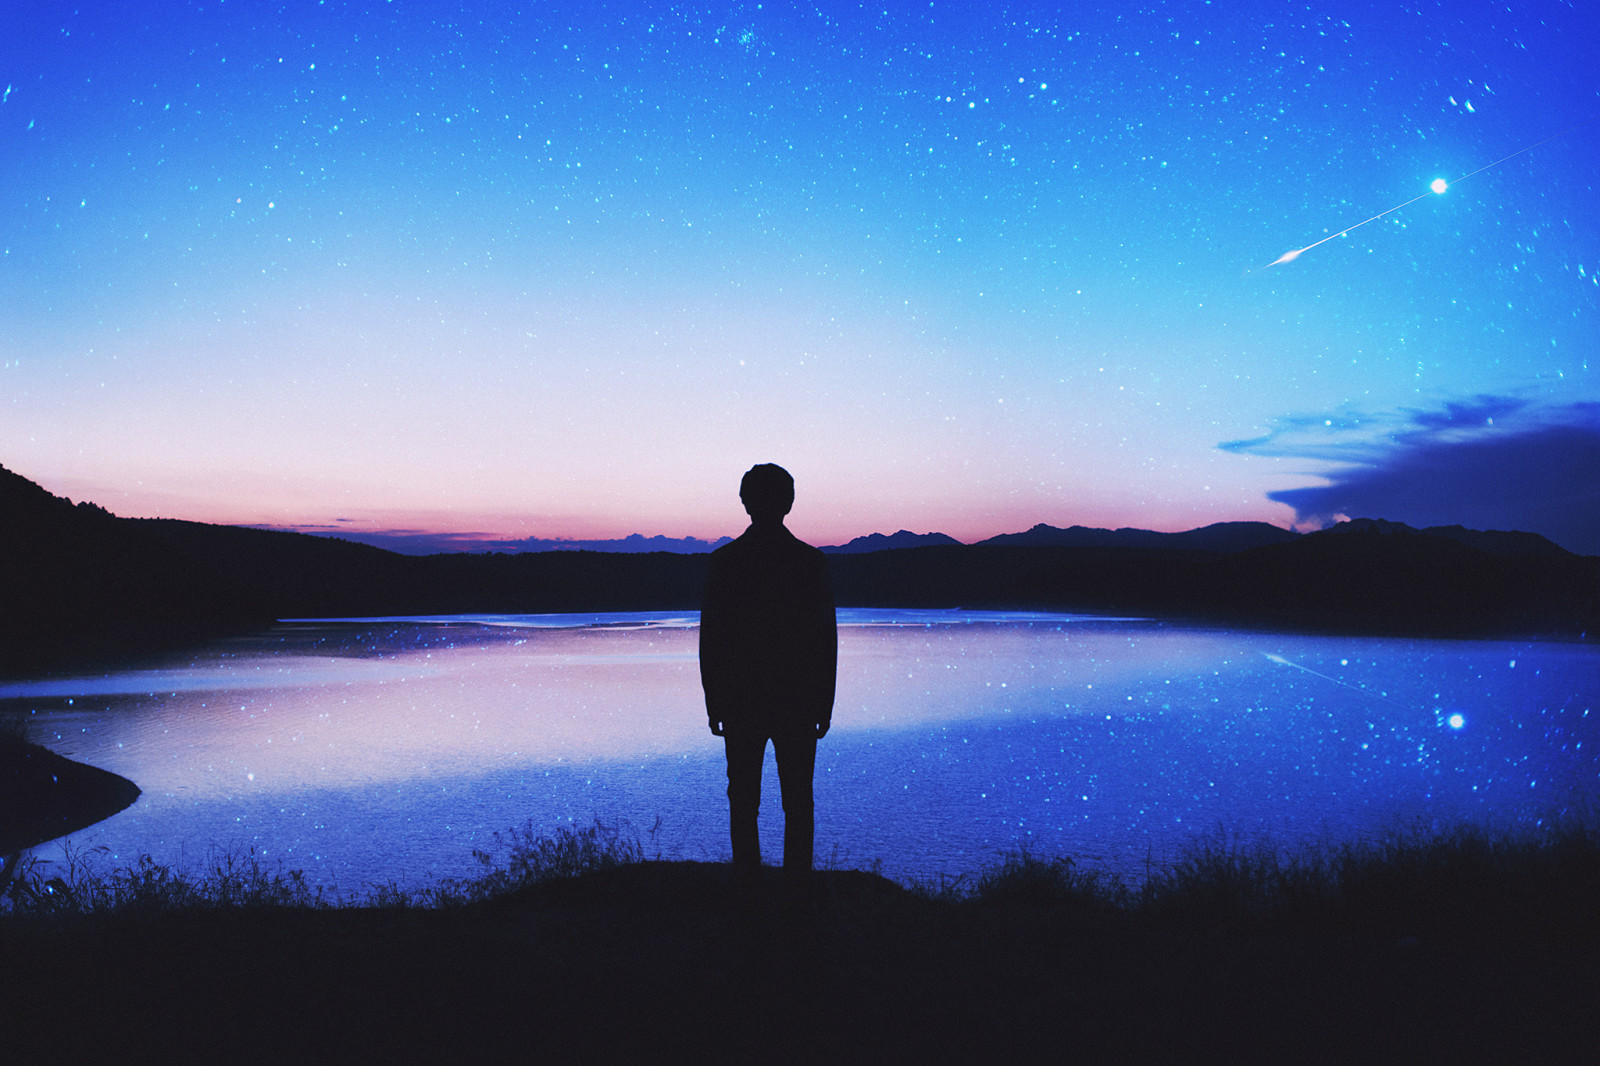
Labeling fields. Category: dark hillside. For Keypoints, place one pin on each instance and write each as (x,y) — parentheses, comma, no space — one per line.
(1400,582)
(79,577)
(274,573)
(292,575)
(1217,537)
(1407,581)
(78,583)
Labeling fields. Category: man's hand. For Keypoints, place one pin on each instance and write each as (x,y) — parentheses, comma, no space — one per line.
(822,729)
(717,727)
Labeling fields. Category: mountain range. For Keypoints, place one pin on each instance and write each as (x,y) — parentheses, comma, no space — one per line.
(1229,537)
(77,582)
(1218,537)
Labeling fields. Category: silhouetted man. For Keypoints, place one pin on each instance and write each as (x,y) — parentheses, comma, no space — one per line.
(769,654)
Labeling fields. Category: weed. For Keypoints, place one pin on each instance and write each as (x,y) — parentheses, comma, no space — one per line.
(1402,884)
(1026,879)
(80,884)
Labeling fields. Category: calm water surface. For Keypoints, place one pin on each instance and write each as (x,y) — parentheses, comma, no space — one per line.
(378,750)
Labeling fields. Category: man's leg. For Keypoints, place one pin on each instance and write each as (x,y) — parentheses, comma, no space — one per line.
(796,754)
(745,753)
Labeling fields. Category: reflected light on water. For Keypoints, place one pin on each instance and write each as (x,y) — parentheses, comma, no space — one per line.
(292,721)
(497,691)
(371,749)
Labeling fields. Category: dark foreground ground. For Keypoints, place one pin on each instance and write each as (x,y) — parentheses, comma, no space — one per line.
(671,961)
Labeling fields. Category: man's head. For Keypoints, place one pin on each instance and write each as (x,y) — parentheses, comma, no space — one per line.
(767,492)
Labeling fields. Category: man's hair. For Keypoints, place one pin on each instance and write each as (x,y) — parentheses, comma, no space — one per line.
(767,489)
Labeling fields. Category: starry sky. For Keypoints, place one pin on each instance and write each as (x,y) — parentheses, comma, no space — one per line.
(567,270)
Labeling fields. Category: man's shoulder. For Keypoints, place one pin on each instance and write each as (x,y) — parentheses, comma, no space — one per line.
(731,557)
(754,539)
(737,548)
(793,546)
(768,547)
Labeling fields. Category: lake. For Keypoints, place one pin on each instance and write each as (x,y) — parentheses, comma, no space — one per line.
(365,751)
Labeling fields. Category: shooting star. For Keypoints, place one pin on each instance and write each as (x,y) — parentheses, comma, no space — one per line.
(1316,673)
(1435,188)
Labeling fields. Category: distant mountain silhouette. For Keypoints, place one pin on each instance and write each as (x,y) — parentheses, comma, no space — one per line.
(877,542)
(1493,541)
(1352,578)
(1217,537)
(77,583)
(1387,577)
(633,542)
(417,542)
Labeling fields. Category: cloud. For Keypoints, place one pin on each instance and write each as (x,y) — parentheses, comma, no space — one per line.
(1479,412)
(1341,436)
(1488,463)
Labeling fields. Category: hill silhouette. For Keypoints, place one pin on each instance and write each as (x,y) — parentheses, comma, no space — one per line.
(1217,537)
(877,542)
(79,583)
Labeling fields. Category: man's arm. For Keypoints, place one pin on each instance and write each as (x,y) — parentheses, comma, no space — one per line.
(713,654)
(827,637)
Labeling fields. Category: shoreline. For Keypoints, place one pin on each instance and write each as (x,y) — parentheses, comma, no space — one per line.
(133,645)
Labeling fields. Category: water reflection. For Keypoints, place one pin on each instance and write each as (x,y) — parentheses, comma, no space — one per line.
(364,750)
(372,709)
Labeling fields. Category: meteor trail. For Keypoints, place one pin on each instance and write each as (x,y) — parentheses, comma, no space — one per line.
(1438,187)
(1365,692)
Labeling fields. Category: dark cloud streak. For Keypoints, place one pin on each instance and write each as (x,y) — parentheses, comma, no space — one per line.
(1481,411)
(1488,463)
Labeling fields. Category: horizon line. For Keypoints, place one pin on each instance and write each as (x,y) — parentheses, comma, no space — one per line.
(425,542)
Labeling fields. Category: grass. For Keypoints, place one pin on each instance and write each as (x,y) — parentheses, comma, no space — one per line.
(1408,878)
(83,886)
(1462,946)
(521,857)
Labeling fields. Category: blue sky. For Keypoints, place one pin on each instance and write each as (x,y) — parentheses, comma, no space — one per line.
(568,270)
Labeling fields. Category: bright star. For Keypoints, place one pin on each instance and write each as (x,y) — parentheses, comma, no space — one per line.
(1439,185)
